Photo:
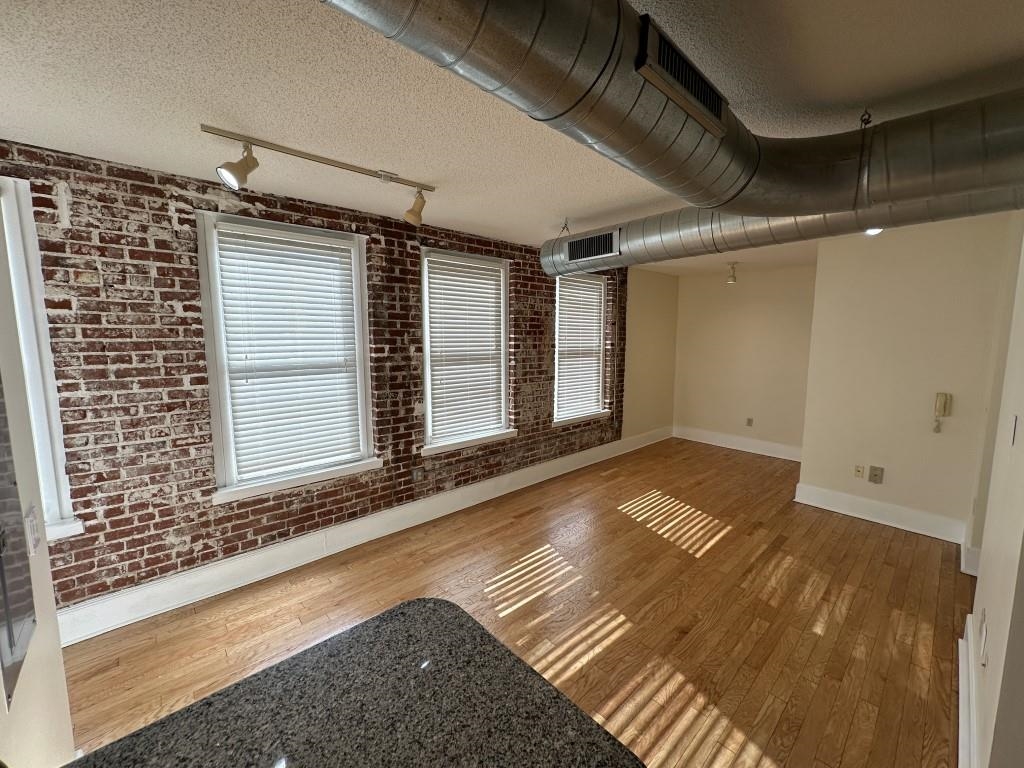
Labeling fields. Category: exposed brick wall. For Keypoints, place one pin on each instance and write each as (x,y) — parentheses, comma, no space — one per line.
(119,255)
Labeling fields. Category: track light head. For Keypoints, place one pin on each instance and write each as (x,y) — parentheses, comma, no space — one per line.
(415,214)
(731,280)
(235,173)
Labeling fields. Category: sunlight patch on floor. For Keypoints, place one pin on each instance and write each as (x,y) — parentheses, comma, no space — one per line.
(580,645)
(543,572)
(685,526)
(666,720)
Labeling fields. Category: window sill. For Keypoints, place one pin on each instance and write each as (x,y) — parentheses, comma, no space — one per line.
(263,487)
(64,529)
(580,419)
(436,448)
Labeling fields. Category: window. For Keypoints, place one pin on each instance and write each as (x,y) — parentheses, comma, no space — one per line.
(21,270)
(285,311)
(465,330)
(579,348)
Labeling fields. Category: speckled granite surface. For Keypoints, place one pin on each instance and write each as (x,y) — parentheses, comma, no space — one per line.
(422,684)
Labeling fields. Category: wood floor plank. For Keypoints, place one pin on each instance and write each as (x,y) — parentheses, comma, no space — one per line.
(676,593)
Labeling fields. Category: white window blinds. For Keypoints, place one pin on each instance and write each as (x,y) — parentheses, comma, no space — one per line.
(291,374)
(579,346)
(464,300)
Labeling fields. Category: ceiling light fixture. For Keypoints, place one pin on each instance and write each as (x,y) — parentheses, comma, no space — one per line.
(234,173)
(872,231)
(731,280)
(415,214)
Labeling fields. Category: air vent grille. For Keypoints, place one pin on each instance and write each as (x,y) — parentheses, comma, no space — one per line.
(666,68)
(593,246)
(684,73)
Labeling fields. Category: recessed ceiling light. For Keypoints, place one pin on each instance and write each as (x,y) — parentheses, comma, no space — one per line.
(872,231)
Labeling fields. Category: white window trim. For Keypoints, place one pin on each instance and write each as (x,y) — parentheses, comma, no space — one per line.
(216,354)
(602,414)
(603,411)
(504,432)
(263,487)
(20,249)
(455,445)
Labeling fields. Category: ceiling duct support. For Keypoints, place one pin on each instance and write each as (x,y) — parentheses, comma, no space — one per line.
(696,232)
(574,65)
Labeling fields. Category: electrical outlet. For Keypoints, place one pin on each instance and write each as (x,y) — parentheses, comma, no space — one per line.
(876,475)
(858,471)
(750,421)
(418,474)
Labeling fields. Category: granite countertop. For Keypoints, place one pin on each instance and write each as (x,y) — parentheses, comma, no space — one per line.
(422,684)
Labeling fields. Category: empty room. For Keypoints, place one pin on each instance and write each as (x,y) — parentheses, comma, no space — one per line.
(585,384)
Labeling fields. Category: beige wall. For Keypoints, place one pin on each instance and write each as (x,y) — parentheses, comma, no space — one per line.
(898,318)
(1000,349)
(650,352)
(1001,578)
(742,351)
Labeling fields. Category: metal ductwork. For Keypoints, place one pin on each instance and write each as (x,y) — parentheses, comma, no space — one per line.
(696,231)
(604,75)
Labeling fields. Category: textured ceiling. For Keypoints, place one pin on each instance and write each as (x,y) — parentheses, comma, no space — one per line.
(131,81)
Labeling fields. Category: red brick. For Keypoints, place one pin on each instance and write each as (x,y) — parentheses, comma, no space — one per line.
(125,303)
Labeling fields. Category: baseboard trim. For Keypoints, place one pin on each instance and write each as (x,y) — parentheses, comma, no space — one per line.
(739,443)
(907,518)
(970,559)
(968,742)
(102,614)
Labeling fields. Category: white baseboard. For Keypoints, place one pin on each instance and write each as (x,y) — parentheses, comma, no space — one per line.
(970,559)
(102,614)
(739,443)
(968,746)
(907,518)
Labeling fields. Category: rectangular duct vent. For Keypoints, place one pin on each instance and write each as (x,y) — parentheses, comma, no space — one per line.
(666,68)
(592,246)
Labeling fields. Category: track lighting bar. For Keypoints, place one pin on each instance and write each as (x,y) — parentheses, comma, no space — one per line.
(377,174)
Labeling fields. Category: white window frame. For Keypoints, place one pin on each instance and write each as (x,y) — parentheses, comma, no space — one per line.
(431,448)
(603,412)
(228,488)
(19,253)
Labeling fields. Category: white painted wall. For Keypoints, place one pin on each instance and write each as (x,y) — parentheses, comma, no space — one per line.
(1001,342)
(999,664)
(35,732)
(742,351)
(898,318)
(650,352)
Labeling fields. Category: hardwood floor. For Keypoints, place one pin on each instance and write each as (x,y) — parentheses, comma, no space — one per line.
(677,594)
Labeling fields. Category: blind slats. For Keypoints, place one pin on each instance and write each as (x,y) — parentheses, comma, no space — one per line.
(466,340)
(288,307)
(579,346)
